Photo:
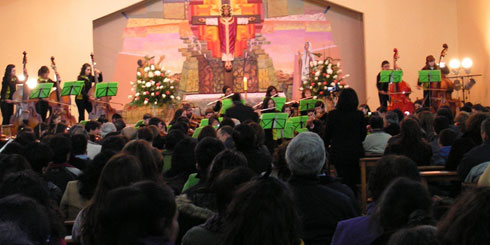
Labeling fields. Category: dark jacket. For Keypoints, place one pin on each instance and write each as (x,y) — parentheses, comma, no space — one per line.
(420,153)
(8,86)
(88,80)
(320,209)
(459,148)
(61,174)
(475,156)
(345,133)
(259,159)
(242,112)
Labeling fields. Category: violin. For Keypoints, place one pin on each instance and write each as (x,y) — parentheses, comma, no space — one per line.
(441,91)
(61,106)
(100,107)
(26,111)
(399,92)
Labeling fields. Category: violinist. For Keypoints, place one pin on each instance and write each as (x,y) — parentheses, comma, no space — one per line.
(306,93)
(227,90)
(320,112)
(9,85)
(383,87)
(430,64)
(208,113)
(82,100)
(42,106)
(288,108)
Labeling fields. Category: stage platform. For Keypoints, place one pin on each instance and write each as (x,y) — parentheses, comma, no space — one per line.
(201,100)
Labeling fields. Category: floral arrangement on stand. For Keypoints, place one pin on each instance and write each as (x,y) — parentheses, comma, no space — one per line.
(153,86)
(325,79)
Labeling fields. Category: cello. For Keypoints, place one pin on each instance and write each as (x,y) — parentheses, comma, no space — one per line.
(100,107)
(60,104)
(25,113)
(399,92)
(441,91)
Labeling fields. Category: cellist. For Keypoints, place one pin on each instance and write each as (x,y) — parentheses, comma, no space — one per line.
(42,106)
(9,85)
(82,100)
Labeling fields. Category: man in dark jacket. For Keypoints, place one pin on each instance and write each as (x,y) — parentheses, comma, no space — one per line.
(477,155)
(320,207)
(241,111)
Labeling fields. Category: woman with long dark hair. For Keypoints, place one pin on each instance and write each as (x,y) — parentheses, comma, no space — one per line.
(271,92)
(82,100)
(42,106)
(345,132)
(411,143)
(9,83)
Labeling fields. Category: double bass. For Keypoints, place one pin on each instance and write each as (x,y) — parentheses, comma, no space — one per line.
(100,107)
(441,91)
(399,92)
(60,104)
(25,113)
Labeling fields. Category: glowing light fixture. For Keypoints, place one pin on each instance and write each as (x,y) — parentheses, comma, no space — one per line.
(455,65)
(467,63)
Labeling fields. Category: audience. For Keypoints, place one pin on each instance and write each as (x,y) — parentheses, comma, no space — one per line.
(375,143)
(410,143)
(478,154)
(185,164)
(225,135)
(59,171)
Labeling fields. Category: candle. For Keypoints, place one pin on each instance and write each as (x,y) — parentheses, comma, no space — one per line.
(245,85)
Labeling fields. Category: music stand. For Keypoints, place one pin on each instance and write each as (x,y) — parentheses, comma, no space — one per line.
(273,120)
(305,105)
(197,132)
(298,122)
(41,91)
(391,76)
(105,89)
(288,132)
(279,102)
(429,76)
(204,122)
(72,88)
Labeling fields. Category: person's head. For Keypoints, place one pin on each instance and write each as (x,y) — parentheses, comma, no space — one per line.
(305,154)
(279,222)
(147,117)
(226,10)
(244,137)
(288,109)
(382,111)
(311,114)
(78,144)
(12,163)
(228,66)
(376,122)
(120,125)
(418,104)
(43,72)
(134,213)
(227,122)
(187,110)
(426,121)
(208,113)
(114,143)
(410,131)
(440,123)
(145,133)
(478,108)
(227,90)
(279,161)
(173,137)
(418,235)
(86,70)
(319,107)
(385,65)
(268,103)
(159,123)
(447,137)
(404,203)
(14,148)
(116,117)
(92,127)
(468,220)
(389,168)
(28,216)
(446,112)
(107,128)
(206,132)
(306,93)
(473,126)
(271,91)
(430,61)
(142,150)
(38,155)
(177,114)
(90,176)
(236,97)
(225,160)
(61,147)
(224,133)
(485,130)
(365,109)
(213,121)
(460,121)
(205,152)
(184,155)
(25,137)
(12,234)
(129,132)
(227,182)
(348,100)
(9,73)
(307,45)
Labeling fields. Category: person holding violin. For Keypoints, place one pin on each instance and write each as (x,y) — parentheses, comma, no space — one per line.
(227,90)
(9,85)
(383,87)
(42,106)
(82,100)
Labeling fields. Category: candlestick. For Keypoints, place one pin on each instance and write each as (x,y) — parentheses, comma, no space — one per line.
(245,85)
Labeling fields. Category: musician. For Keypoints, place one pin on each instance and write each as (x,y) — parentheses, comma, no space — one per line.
(268,103)
(306,93)
(430,64)
(42,106)
(288,109)
(271,92)
(383,87)
(9,85)
(227,90)
(320,112)
(82,100)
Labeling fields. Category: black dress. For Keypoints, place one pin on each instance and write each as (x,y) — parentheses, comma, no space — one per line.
(82,100)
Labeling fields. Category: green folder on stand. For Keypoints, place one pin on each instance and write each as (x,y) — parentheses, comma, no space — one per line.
(305,105)
(197,132)
(204,122)
(279,101)
(273,120)
(72,88)
(41,91)
(391,76)
(426,76)
(105,89)
(287,133)
(298,122)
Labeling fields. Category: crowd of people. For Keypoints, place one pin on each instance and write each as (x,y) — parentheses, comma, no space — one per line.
(155,184)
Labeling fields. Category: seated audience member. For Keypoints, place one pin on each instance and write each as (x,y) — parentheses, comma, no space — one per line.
(426,119)
(460,121)
(25,137)
(115,117)
(411,144)
(418,235)
(79,192)
(114,143)
(29,184)
(225,185)
(391,123)
(205,152)
(228,122)
(207,132)
(225,160)
(404,204)
(183,154)
(241,111)
(280,167)
(171,140)
(12,234)
(320,207)
(363,229)
(14,148)
(59,171)
(468,220)
(225,135)
(446,140)
(93,130)
(440,123)
(478,108)
(120,125)
(478,154)
(280,224)
(129,132)
(470,139)
(144,152)
(107,128)
(214,121)
(78,156)
(159,123)
(24,215)
(121,170)
(376,141)
(93,148)
(250,143)
(143,213)
(145,133)
(12,163)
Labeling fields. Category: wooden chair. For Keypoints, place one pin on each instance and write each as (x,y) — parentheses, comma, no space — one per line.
(439,176)
(431,168)
(364,163)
